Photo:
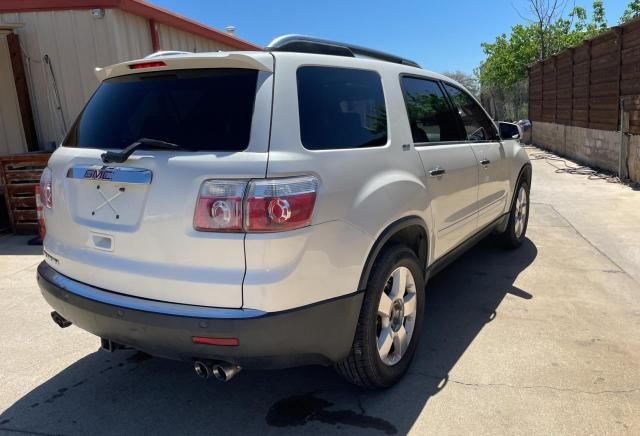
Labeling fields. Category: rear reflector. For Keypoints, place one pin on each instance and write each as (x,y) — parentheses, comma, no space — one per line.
(223,342)
(147,65)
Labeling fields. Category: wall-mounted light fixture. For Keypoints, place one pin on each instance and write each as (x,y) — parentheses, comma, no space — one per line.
(97,13)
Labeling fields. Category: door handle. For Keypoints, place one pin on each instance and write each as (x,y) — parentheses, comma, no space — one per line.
(485,162)
(437,172)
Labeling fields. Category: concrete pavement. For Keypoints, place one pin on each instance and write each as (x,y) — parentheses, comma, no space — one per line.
(544,339)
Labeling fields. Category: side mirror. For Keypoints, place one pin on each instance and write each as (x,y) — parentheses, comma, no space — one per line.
(509,130)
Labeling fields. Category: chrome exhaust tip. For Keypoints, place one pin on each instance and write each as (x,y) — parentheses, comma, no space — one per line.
(202,369)
(225,371)
(60,320)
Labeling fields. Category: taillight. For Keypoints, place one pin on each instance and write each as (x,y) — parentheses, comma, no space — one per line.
(219,207)
(280,204)
(46,190)
(152,64)
(265,205)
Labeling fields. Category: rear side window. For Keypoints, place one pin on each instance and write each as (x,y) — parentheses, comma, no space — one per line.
(477,124)
(200,110)
(341,108)
(431,117)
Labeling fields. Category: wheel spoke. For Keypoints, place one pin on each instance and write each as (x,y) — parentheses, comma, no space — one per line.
(410,303)
(400,341)
(384,308)
(399,283)
(385,340)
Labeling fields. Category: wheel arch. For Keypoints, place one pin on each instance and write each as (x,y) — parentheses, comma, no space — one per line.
(526,172)
(410,231)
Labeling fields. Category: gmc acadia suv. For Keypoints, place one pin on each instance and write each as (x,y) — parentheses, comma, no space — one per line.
(272,209)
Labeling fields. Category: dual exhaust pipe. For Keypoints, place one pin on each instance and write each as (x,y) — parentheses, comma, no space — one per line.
(222,371)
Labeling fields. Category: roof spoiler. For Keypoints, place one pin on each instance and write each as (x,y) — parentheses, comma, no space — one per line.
(185,60)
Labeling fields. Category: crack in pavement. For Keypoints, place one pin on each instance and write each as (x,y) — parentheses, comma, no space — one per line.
(505,385)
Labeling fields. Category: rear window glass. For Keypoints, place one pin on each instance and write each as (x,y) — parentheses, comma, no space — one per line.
(200,110)
(341,108)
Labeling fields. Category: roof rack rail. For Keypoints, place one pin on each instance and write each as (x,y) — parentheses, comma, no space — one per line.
(309,44)
(166,53)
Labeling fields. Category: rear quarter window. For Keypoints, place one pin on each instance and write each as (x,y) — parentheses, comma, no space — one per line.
(200,110)
(340,108)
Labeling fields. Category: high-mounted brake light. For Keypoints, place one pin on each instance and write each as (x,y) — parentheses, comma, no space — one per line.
(266,205)
(147,65)
(46,188)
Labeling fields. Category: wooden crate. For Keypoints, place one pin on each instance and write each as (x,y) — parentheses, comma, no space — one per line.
(19,175)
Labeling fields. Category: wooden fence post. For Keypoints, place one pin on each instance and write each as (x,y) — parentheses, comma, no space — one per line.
(22,91)
(619,42)
(589,84)
(555,90)
(571,97)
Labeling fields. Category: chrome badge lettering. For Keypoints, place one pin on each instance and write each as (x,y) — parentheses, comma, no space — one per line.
(98,174)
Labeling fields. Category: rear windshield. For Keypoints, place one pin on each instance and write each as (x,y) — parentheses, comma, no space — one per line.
(200,110)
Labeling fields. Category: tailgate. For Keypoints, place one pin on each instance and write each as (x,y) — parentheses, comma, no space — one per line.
(128,227)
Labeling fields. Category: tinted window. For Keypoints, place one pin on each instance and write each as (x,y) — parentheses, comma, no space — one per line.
(197,109)
(430,115)
(476,123)
(341,108)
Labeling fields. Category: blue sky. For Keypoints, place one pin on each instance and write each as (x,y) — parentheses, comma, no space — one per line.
(441,35)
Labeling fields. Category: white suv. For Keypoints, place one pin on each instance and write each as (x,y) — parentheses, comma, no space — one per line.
(272,209)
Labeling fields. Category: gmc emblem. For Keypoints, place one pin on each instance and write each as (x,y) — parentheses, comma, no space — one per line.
(101,174)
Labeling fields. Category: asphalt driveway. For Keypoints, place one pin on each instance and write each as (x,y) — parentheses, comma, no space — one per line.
(544,339)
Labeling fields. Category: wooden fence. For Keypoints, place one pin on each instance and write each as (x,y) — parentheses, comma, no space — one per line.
(582,86)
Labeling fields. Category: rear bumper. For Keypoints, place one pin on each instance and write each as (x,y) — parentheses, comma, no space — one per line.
(320,333)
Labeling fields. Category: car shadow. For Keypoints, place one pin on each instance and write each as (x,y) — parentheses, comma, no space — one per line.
(19,245)
(128,392)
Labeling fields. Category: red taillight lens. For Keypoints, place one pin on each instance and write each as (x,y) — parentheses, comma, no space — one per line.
(147,65)
(219,207)
(274,205)
(46,188)
(269,205)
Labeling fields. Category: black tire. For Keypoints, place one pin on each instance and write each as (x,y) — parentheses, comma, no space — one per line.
(511,238)
(364,366)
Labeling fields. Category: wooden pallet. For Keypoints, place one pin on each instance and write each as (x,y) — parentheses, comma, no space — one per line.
(19,175)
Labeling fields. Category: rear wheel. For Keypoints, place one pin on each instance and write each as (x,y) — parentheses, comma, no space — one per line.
(390,319)
(514,235)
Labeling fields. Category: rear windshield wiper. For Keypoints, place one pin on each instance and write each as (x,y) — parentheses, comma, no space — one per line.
(121,156)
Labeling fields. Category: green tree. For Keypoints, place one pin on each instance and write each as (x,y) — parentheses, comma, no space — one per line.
(632,11)
(508,57)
